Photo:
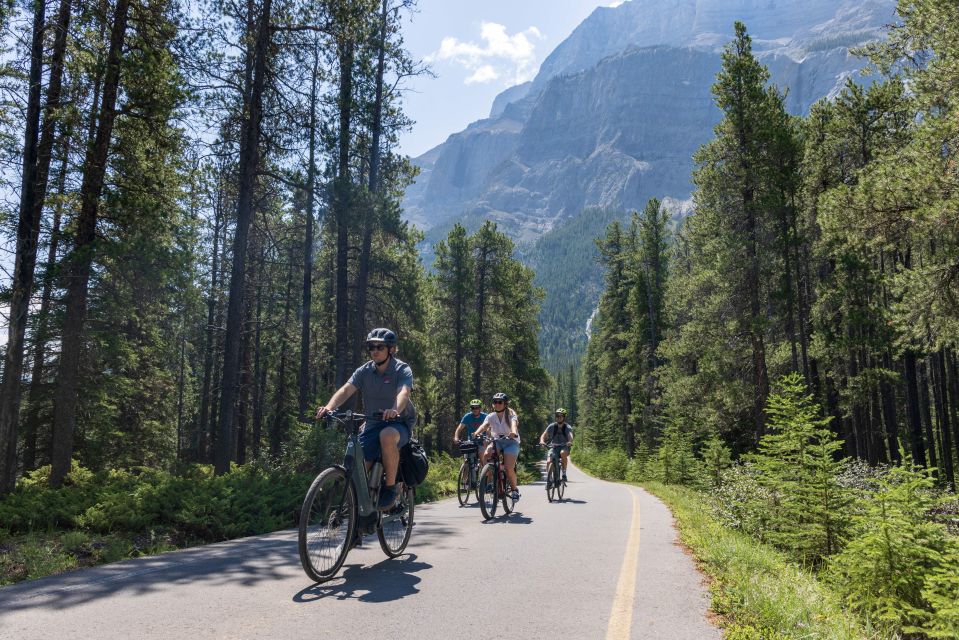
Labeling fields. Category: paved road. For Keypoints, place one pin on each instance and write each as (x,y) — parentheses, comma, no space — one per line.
(602,564)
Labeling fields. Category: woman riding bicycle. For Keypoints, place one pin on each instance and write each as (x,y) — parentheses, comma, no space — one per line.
(503,424)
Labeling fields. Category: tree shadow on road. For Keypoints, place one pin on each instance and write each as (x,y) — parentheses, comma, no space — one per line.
(384,581)
(246,562)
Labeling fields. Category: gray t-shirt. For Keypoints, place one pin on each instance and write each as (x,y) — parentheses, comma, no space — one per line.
(379,390)
(556,434)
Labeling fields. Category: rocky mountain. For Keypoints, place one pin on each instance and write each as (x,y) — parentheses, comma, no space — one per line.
(612,119)
(618,108)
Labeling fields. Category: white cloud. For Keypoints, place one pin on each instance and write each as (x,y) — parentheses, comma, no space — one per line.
(486,73)
(501,55)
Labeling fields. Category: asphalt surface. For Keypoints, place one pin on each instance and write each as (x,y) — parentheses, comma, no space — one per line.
(604,563)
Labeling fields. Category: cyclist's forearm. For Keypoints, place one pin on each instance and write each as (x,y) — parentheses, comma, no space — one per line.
(402,399)
(342,395)
(459,431)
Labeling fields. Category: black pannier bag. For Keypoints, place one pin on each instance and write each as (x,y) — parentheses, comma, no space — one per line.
(414,464)
(468,447)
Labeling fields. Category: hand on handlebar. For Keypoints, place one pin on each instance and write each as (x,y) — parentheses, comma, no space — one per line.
(322,411)
(390,414)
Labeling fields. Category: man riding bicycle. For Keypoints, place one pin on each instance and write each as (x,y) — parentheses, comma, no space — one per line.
(559,433)
(385,383)
(470,422)
(503,422)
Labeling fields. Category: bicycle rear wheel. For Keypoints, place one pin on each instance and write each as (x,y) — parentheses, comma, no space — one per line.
(550,481)
(397,525)
(327,524)
(463,484)
(487,491)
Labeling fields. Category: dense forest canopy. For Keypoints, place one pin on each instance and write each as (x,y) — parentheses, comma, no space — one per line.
(203,223)
(825,245)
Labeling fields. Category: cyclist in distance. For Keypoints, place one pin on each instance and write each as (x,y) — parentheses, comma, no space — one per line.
(386,383)
(470,422)
(559,433)
(503,422)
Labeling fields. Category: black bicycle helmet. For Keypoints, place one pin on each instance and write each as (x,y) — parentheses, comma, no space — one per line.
(382,335)
(501,396)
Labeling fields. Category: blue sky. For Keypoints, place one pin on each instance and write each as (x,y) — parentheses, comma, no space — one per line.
(477,48)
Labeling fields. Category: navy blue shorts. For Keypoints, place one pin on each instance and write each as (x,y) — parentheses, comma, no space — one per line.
(370,437)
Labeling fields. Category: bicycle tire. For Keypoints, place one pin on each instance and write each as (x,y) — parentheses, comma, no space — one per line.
(550,481)
(560,483)
(507,497)
(463,484)
(487,491)
(327,524)
(394,529)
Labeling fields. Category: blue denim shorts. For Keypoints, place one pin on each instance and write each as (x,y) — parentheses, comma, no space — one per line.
(370,437)
(510,447)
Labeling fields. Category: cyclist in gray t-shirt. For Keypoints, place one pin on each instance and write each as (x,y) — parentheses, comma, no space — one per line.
(385,383)
(559,433)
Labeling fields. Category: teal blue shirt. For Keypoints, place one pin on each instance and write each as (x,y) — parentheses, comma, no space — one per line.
(472,422)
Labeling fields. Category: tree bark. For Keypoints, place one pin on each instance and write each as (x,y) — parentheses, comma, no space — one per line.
(303,377)
(941,396)
(342,203)
(278,430)
(363,275)
(926,415)
(78,263)
(210,333)
(249,160)
(912,409)
(42,331)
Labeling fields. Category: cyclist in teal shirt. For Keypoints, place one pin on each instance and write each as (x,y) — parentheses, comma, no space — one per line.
(470,422)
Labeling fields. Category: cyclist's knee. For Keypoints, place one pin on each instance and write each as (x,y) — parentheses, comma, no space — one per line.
(389,434)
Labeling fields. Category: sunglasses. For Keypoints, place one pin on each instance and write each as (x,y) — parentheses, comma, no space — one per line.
(475,408)
(498,402)
(376,347)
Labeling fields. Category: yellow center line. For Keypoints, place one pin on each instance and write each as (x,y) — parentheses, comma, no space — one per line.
(621,616)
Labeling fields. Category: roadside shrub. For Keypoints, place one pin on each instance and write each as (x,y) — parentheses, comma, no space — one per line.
(899,567)
(740,501)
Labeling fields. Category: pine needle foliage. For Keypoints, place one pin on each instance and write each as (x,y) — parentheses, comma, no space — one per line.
(798,468)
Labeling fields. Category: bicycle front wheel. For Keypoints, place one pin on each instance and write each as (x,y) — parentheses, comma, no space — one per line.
(397,525)
(487,491)
(463,484)
(508,503)
(327,524)
(550,481)
(560,483)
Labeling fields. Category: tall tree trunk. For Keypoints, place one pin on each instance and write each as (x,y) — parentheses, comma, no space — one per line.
(757,339)
(259,373)
(482,268)
(912,409)
(889,416)
(28,232)
(342,202)
(952,381)
(249,160)
(278,430)
(78,263)
(210,333)
(926,415)
(303,377)
(941,397)
(41,334)
(369,219)
(246,373)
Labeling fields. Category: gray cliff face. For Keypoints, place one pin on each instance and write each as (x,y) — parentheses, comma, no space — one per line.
(618,109)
